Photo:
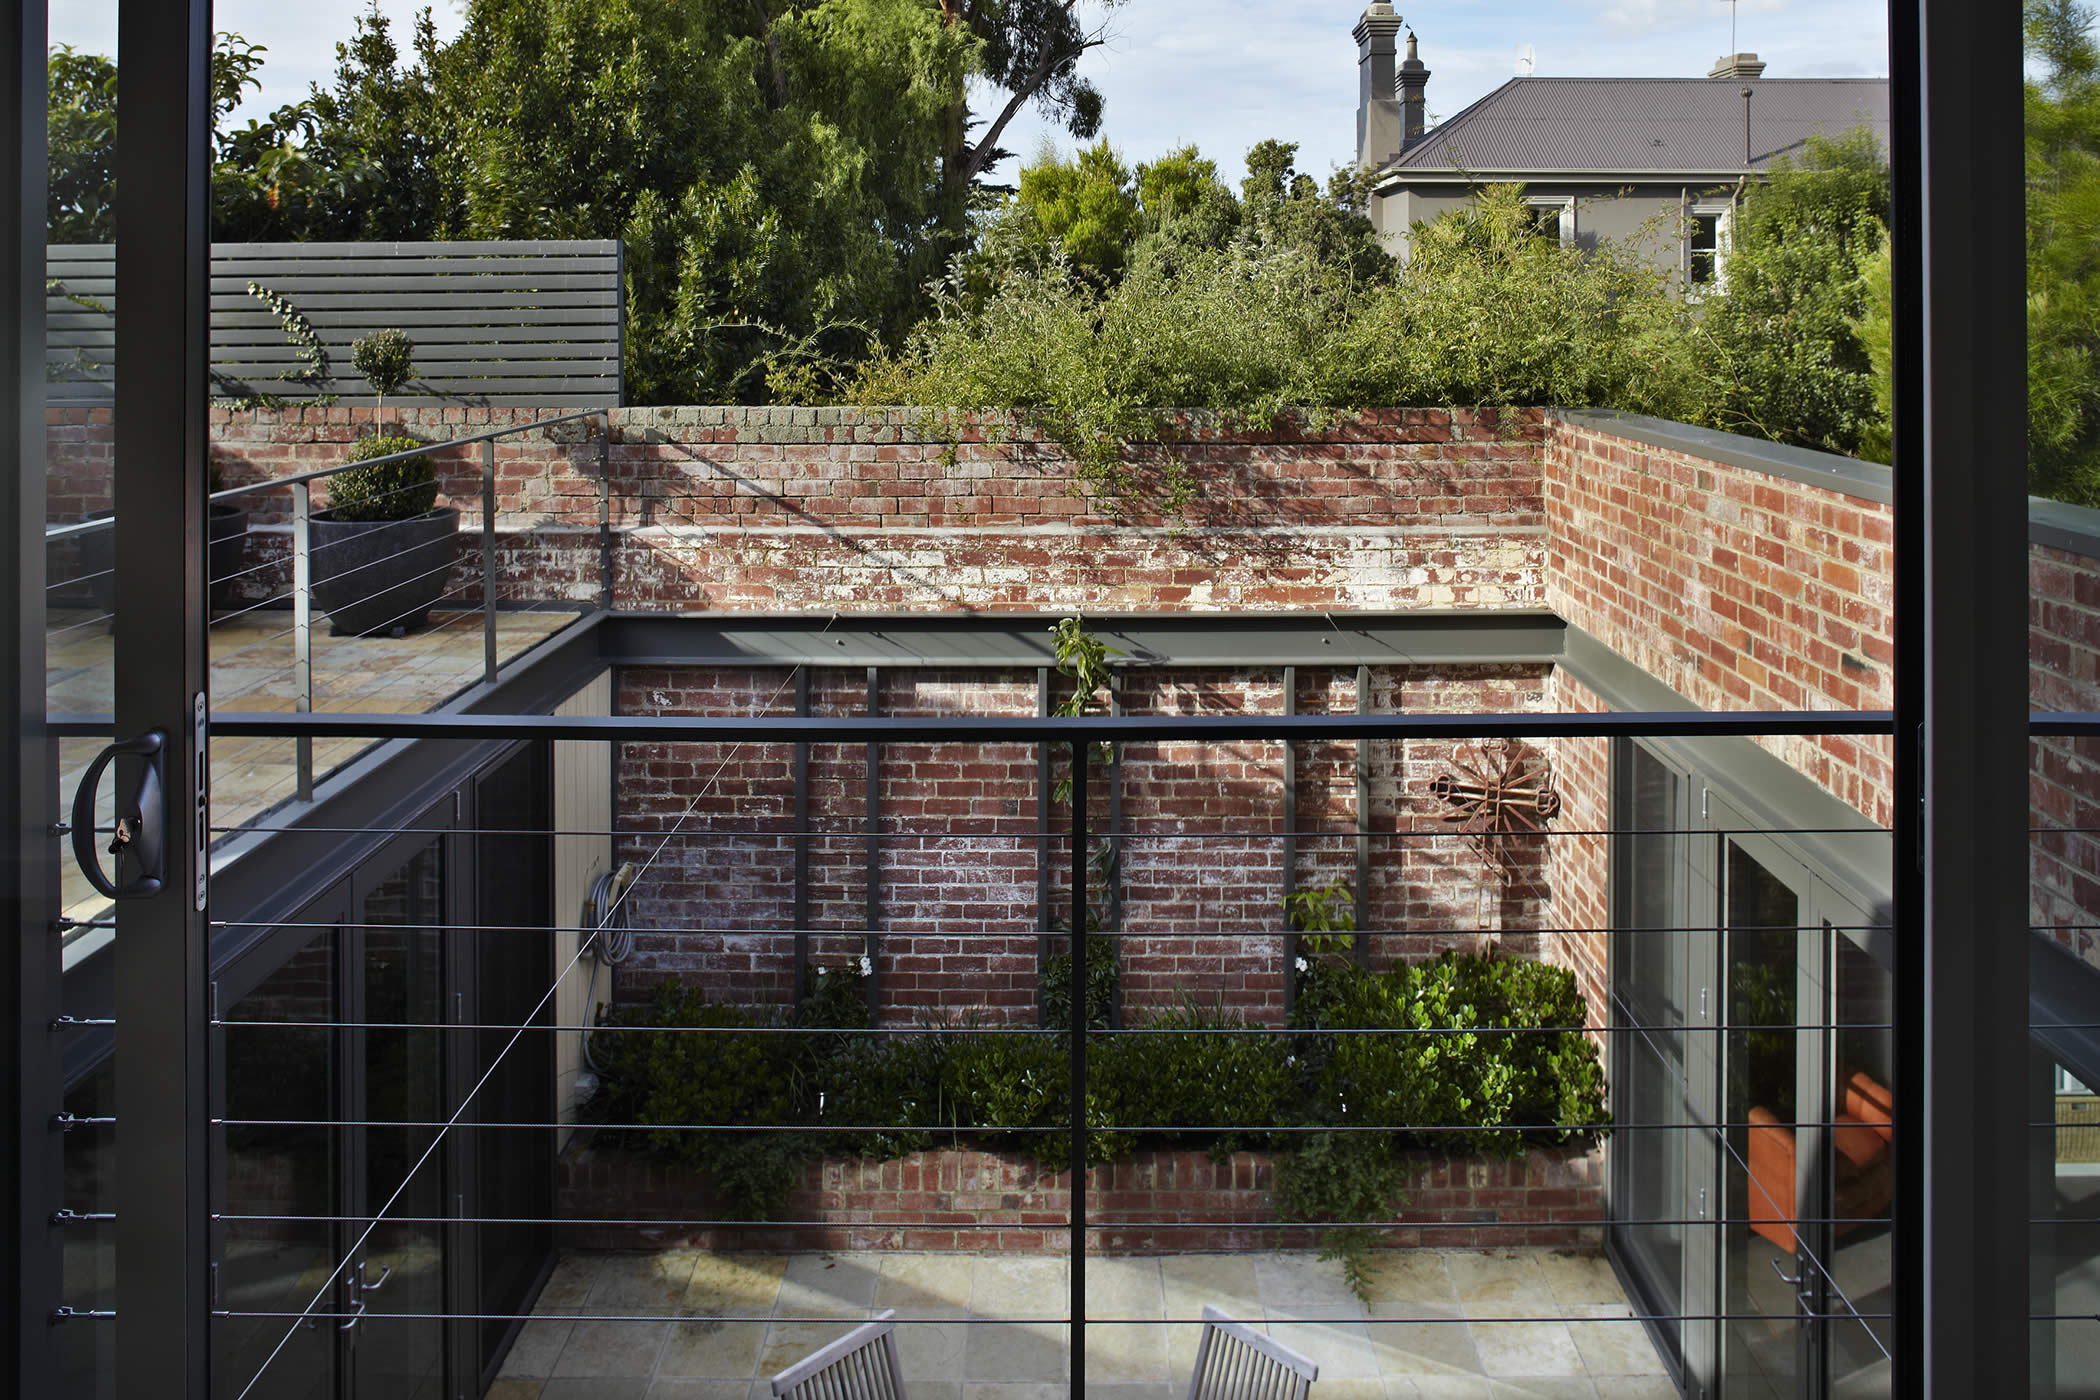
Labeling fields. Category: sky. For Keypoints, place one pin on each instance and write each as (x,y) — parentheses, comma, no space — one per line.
(1229,73)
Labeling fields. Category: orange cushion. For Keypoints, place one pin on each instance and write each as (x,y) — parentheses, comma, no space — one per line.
(1869,1103)
(1861,1145)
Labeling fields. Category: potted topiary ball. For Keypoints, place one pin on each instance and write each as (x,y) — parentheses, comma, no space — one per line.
(381,553)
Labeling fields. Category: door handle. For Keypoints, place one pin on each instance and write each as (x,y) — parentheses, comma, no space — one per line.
(385,1271)
(357,1315)
(142,824)
(1794,1282)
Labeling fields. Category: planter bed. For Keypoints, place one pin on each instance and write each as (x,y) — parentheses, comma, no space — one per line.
(948,1196)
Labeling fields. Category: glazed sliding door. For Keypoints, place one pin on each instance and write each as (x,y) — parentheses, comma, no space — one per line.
(400,1166)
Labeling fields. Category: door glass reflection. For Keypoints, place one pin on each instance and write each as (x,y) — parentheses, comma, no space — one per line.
(1763,915)
(399,1343)
(282,1175)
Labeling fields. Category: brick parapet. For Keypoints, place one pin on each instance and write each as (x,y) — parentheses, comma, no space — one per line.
(1165,1202)
(1739,589)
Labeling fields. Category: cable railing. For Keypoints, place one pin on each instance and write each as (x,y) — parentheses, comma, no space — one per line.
(360,584)
(674,843)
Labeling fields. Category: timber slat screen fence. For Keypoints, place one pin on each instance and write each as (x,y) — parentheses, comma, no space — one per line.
(494,323)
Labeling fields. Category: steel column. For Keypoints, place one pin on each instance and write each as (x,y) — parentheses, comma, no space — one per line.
(303,630)
(1362,941)
(488,561)
(1077,1059)
(605,539)
(1961,517)
(1043,917)
(32,1169)
(1114,862)
(801,908)
(1290,842)
(871,853)
(163,213)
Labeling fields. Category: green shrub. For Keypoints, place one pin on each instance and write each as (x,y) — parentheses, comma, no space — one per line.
(1205,1083)
(657,1070)
(1101,977)
(399,490)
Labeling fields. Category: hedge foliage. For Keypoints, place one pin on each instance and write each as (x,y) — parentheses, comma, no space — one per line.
(1496,1051)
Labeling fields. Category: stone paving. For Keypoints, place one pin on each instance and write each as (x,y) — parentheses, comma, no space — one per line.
(251,669)
(1504,1325)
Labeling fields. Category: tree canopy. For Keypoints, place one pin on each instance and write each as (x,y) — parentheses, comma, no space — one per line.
(2063,252)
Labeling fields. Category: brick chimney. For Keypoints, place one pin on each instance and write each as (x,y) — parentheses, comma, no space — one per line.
(1380,124)
(1414,79)
(1737,65)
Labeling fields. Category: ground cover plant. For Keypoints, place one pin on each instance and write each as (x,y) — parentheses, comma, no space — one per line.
(1491,1047)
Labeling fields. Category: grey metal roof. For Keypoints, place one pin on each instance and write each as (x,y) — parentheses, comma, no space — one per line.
(1643,125)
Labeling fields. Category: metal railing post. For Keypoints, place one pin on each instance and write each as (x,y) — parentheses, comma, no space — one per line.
(1077,1147)
(488,560)
(303,629)
(605,542)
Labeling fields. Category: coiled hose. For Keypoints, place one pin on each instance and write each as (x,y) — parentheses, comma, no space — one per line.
(611,935)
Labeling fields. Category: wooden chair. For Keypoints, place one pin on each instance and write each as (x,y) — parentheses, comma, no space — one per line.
(862,1365)
(1233,1360)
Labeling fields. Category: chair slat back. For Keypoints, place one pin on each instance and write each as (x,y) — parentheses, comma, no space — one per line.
(1235,1362)
(862,1365)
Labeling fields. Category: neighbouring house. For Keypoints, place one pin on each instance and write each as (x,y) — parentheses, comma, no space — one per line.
(1661,159)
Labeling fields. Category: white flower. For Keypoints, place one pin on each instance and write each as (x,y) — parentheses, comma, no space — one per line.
(1304,966)
(822,970)
(867,966)
(820,1100)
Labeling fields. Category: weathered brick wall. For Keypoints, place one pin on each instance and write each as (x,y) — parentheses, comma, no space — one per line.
(830,508)
(1167,1202)
(1580,878)
(1738,589)
(1201,881)
(2064,774)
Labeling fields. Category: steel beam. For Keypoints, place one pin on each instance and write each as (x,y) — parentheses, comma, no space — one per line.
(975,729)
(1362,942)
(32,1168)
(1043,917)
(163,213)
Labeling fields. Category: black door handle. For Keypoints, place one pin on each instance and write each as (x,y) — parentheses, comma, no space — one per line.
(142,825)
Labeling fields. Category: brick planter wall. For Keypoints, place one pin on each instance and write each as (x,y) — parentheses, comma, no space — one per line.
(949,1199)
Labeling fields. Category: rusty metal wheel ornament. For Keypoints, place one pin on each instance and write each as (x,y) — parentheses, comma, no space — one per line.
(1502,795)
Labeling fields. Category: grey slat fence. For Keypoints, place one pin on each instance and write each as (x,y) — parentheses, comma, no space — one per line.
(494,323)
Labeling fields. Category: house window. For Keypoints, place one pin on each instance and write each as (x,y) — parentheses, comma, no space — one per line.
(1706,246)
(1553,216)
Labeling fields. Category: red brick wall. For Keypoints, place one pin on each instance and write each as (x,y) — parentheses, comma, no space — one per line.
(829,508)
(1580,880)
(1201,879)
(953,1199)
(2064,774)
(1738,589)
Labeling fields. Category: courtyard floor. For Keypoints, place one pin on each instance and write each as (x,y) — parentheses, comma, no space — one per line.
(1504,1325)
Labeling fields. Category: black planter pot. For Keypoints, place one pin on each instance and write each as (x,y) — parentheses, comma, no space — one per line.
(372,577)
(228,552)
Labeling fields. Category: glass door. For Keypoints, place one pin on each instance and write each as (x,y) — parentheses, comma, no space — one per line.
(281,1164)
(1769,1141)
(399,1168)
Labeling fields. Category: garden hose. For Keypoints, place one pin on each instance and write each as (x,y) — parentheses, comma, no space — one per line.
(611,934)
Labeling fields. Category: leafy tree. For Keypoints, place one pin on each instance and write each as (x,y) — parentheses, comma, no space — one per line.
(2063,252)
(775,174)
(1183,200)
(1087,208)
(81,110)
(1782,342)
(1031,49)
(353,161)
